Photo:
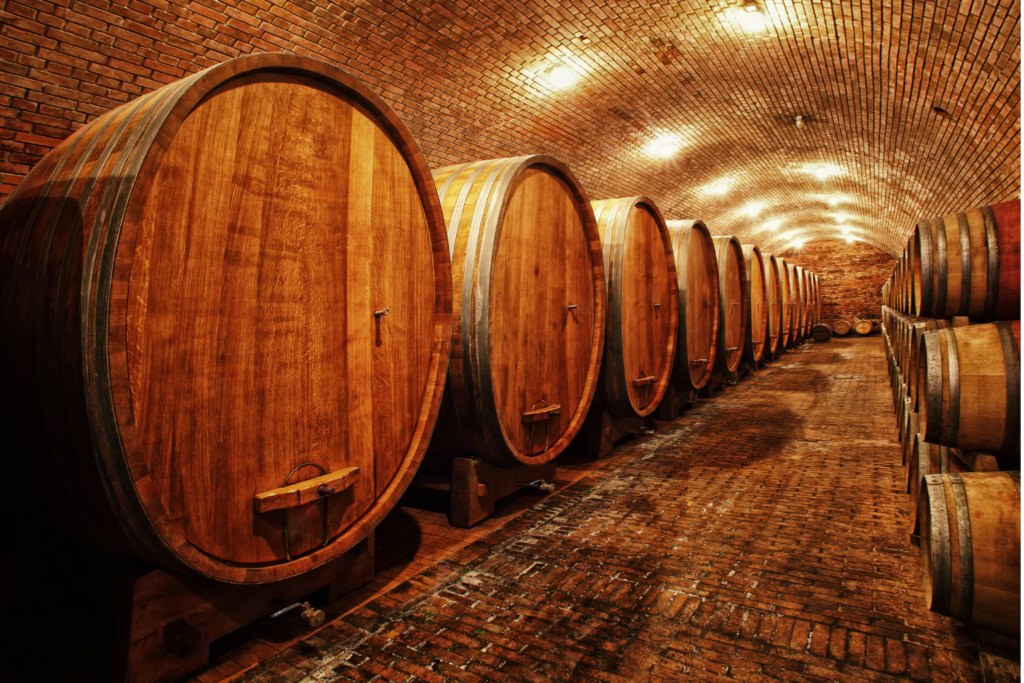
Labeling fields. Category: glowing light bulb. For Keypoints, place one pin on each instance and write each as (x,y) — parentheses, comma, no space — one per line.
(822,171)
(664,145)
(721,187)
(752,209)
(560,76)
(836,199)
(771,225)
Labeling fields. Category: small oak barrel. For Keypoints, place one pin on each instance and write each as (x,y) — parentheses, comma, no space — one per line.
(786,275)
(970,547)
(968,390)
(841,328)
(821,332)
(862,327)
(773,283)
(756,288)
(968,263)
(732,303)
(697,272)
(529,309)
(643,306)
(236,282)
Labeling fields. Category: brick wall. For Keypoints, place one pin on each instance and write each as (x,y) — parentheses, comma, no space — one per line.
(851,276)
(923,125)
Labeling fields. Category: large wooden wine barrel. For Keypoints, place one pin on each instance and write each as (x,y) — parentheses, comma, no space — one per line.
(732,303)
(821,332)
(697,273)
(862,327)
(841,328)
(529,309)
(968,263)
(801,285)
(773,282)
(785,273)
(236,282)
(796,323)
(643,306)
(756,288)
(970,547)
(969,389)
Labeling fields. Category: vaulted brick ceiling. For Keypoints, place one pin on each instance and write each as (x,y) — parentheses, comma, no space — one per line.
(909,110)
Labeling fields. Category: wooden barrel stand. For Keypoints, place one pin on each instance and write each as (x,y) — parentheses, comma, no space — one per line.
(675,402)
(166,620)
(604,430)
(477,486)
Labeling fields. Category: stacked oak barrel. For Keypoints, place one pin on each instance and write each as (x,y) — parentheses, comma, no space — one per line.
(951,325)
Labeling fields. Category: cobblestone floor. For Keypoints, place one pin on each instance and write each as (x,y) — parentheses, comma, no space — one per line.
(760,537)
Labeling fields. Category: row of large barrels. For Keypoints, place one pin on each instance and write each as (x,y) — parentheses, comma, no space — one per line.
(964,264)
(956,392)
(235,310)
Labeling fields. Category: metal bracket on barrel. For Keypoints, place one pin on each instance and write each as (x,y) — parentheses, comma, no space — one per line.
(308,491)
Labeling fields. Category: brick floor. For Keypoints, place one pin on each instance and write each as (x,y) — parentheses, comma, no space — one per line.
(757,538)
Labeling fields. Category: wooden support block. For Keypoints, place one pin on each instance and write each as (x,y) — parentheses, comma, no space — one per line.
(996,669)
(675,402)
(167,621)
(603,430)
(477,486)
(716,382)
(960,321)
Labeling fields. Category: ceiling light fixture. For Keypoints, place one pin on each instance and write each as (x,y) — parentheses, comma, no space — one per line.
(751,6)
(799,122)
(822,171)
(771,225)
(836,199)
(664,145)
(752,209)
(721,187)
(559,76)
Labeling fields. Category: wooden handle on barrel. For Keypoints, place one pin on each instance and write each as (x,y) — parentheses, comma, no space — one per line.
(541,414)
(305,491)
(644,381)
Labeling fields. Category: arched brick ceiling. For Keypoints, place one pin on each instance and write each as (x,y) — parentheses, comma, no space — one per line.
(691,103)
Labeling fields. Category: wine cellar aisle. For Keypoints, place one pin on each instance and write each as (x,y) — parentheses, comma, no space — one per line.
(762,536)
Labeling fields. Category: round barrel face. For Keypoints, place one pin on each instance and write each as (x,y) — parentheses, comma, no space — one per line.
(758,305)
(701,304)
(281,314)
(646,298)
(730,269)
(541,308)
(787,303)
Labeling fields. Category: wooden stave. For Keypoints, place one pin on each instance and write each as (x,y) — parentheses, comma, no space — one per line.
(968,264)
(753,340)
(774,282)
(969,527)
(939,379)
(725,246)
(683,232)
(137,526)
(612,382)
(471,425)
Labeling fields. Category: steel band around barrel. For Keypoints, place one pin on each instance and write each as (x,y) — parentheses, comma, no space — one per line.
(965,263)
(992,239)
(963,609)
(938,541)
(953,365)
(1011,360)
